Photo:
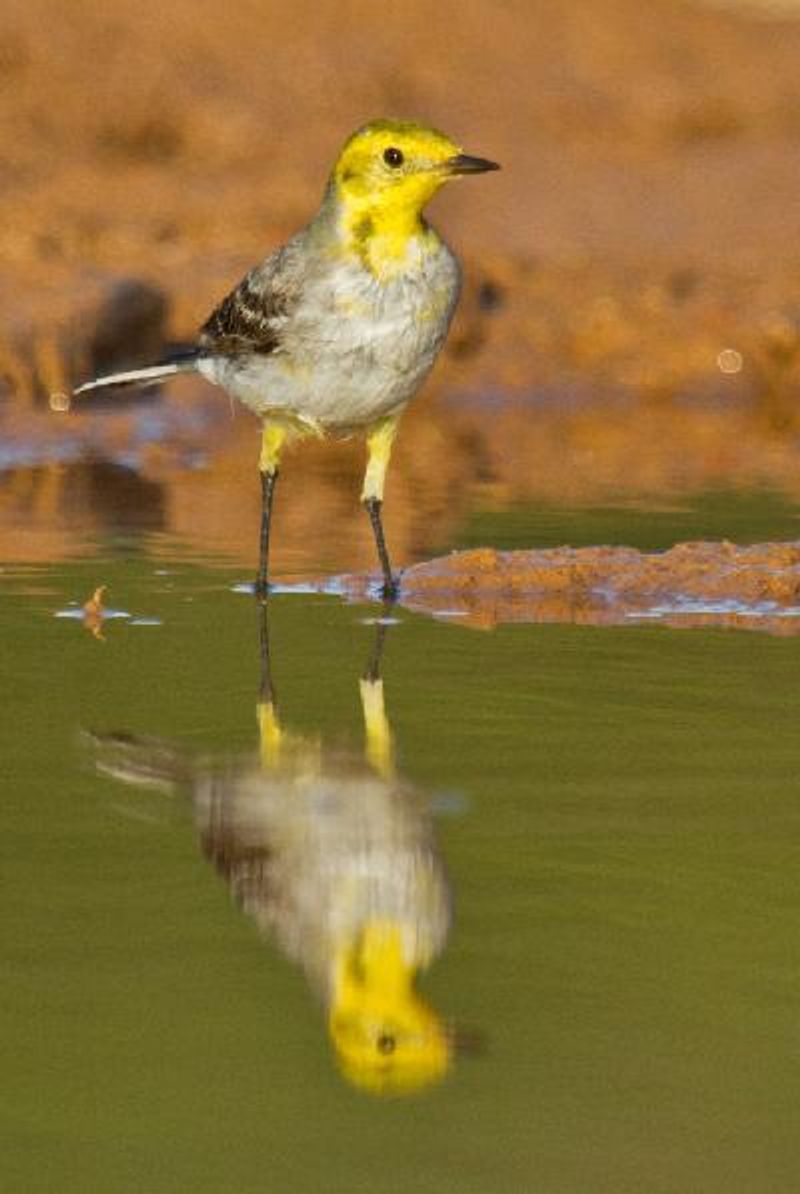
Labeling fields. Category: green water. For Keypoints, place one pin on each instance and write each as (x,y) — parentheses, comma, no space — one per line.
(746,517)
(619,817)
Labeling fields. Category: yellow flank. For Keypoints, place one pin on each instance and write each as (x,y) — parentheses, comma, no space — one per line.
(291,368)
(387,1038)
(381,204)
(435,310)
(379,448)
(351,308)
(379,747)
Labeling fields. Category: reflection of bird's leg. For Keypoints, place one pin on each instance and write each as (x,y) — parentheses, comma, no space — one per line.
(272,439)
(373,668)
(378,748)
(379,449)
(266,692)
(269,728)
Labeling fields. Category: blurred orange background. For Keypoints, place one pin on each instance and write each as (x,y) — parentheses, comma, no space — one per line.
(631,322)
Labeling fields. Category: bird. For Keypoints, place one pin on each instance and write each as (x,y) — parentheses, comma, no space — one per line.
(333,333)
(333,856)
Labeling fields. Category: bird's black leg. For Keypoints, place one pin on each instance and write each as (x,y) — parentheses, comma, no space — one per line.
(266,693)
(372,671)
(390,589)
(379,448)
(268,479)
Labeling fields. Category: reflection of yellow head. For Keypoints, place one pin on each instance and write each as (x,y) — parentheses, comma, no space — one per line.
(387,1039)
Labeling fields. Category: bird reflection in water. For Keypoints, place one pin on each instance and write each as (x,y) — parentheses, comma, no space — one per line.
(334,857)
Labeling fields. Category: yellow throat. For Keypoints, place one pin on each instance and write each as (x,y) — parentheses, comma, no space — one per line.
(385,174)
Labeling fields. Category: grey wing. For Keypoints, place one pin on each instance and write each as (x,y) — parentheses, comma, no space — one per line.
(252,317)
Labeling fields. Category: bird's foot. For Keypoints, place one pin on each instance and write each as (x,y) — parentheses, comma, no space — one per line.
(390,590)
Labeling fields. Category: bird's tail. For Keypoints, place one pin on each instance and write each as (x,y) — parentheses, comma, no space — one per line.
(184,363)
(143,762)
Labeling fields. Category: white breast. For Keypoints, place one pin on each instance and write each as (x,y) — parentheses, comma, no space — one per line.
(355,348)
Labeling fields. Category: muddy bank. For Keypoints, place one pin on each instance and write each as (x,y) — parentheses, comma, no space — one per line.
(692,584)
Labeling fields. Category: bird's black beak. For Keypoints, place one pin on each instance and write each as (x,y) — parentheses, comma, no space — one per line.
(462,163)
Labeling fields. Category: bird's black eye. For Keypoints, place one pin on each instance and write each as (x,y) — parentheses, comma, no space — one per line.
(392,156)
(386,1043)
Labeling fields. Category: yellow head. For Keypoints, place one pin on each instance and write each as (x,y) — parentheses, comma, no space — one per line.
(400,163)
(387,1039)
(386,173)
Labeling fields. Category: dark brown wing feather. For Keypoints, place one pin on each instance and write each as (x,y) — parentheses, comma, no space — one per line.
(251,317)
(243,322)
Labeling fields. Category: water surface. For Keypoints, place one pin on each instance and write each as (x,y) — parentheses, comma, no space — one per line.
(617,812)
